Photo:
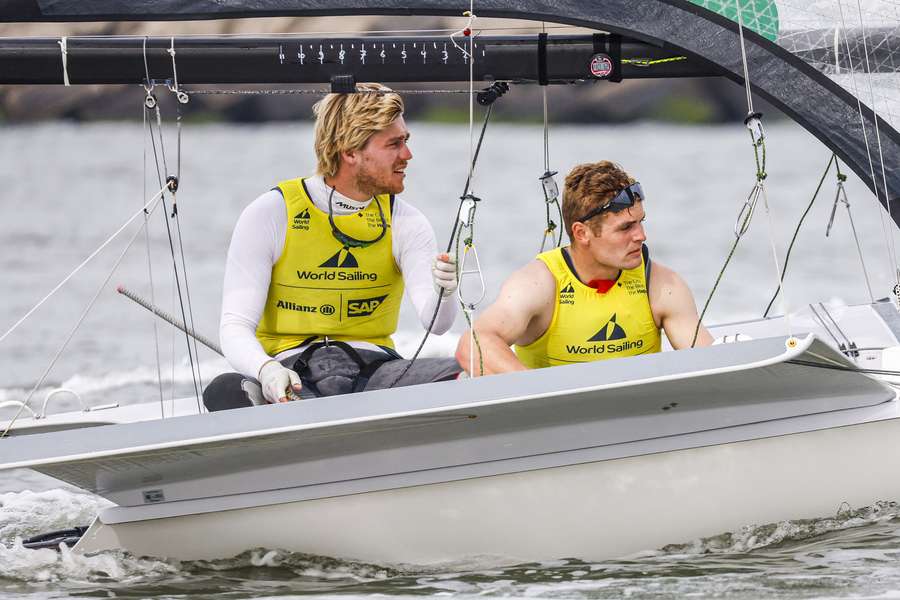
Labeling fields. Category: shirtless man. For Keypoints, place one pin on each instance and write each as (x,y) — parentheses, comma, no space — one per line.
(318,266)
(595,299)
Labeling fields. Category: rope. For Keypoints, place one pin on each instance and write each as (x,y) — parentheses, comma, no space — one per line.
(81,265)
(154,202)
(162,409)
(841,194)
(757,138)
(454,232)
(549,186)
(64,55)
(862,121)
(650,62)
(195,374)
(887,199)
(787,256)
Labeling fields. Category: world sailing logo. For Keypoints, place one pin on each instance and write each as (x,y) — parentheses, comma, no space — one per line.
(609,332)
(301,220)
(346,268)
(567,294)
(336,262)
(609,335)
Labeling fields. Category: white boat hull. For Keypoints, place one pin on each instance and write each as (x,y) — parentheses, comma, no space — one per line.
(592,511)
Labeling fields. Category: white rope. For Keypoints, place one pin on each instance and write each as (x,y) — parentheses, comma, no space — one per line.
(758,137)
(837,50)
(744,56)
(783,299)
(83,264)
(862,121)
(162,408)
(466,31)
(887,199)
(155,202)
(64,53)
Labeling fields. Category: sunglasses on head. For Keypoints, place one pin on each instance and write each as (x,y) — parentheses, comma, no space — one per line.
(624,199)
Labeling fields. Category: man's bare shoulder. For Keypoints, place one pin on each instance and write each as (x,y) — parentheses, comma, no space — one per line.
(669,292)
(525,300)
(534,281)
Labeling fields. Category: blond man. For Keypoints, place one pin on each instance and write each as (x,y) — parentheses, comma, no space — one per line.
(318,266)
(594,299)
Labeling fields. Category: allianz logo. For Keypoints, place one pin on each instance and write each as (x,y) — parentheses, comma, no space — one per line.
(325,309)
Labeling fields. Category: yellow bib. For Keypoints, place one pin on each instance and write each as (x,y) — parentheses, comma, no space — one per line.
(588,326)
(321,288)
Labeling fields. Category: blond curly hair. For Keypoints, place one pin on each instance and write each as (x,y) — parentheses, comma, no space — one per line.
(345,122)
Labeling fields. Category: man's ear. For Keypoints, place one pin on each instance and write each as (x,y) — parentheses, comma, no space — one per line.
(581,232)
(350,157)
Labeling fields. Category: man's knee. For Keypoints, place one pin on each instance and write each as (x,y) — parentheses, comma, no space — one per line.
(225,392)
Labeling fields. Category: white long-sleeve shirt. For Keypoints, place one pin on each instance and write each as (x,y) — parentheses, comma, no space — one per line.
(257,244)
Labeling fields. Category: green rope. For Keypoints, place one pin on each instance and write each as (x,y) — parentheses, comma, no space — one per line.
(800,224)
(759,155)
(649,62)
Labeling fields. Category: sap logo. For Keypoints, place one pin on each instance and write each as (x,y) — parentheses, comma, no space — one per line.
(364,307)
(301,220)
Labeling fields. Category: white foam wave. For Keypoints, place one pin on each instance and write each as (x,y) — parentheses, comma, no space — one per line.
(754,537)
(85,385)
(27,513)
(20,563)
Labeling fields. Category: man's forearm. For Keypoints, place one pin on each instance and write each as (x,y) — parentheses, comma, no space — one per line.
(495,357)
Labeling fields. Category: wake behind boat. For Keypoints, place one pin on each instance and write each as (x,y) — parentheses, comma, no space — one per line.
(535,465)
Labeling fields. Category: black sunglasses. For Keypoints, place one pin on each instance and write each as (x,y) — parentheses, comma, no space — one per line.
(624,199)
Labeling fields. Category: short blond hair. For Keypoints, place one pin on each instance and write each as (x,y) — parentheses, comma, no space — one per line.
(591,185)
(345,122)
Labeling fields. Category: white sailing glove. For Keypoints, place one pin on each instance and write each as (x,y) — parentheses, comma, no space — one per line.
(279,384)
(443,271)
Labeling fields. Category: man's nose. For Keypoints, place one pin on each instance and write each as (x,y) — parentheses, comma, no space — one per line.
(640,234)
(406,154)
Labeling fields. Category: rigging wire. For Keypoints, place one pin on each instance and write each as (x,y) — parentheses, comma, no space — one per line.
(490,96)
(75,271)
(841,196)
(472,200)
(862,120)
(549,186)
(149,206)
(758,141)
(172,186)
(454,235)
(787,255)
(182,99)
(162,409)
(887,198)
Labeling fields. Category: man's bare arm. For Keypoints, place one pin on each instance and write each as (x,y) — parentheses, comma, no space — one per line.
(518,316)
(674,309)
